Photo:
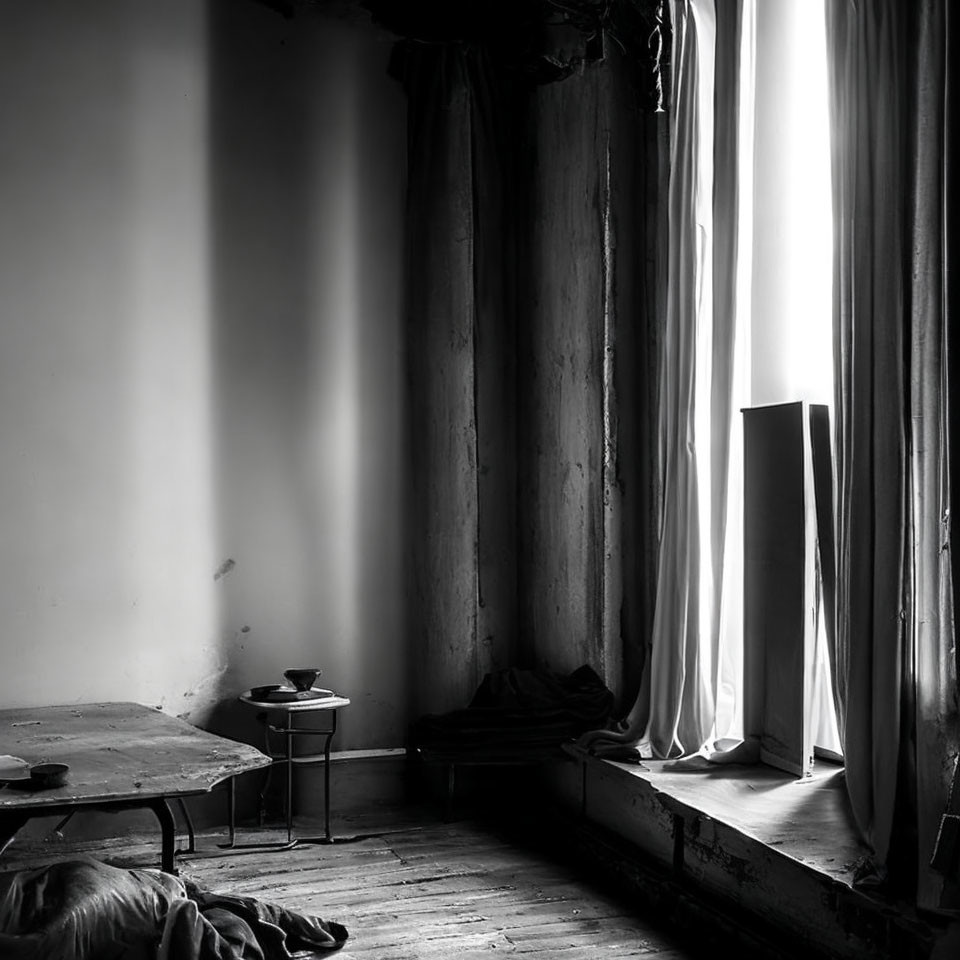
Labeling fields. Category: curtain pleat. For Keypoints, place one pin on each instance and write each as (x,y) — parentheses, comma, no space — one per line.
(675,710)
(459,313)
(727,572)
(442,508)
(895,676)
(523,517)
(698,377)
(870,423)
(674,668)
(934,700)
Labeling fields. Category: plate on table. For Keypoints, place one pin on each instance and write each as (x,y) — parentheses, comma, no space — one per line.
(13,768)
(287,694)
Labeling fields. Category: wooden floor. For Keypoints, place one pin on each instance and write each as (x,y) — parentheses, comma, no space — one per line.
(408,886)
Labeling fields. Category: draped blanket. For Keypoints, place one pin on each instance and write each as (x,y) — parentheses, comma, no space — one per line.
(518,714)
(87,910)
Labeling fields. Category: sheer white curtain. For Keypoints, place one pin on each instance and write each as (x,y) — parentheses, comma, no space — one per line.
(693,666)
(699,583)
(748,322)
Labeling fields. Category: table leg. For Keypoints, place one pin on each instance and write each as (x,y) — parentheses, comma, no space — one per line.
(326,788)
(264,718)
(231,815)
(289,735)
(326,778)
(232,810)
(62,825)
(168,832)
(451,790)
(10,824)
(290,731)
(191,833)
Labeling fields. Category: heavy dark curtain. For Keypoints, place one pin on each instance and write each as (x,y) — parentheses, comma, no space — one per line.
(531,341)
(893,105)
(460,311)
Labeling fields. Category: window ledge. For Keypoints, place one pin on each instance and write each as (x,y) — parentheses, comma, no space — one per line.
(779,849)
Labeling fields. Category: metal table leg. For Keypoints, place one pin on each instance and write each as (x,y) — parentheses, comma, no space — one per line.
(168,832)
(191,833)
(326,779)
(10,824)
(12,821)
(289,733)
(232,810)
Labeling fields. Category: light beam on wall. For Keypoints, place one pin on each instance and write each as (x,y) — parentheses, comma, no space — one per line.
(177,661)
(333,426)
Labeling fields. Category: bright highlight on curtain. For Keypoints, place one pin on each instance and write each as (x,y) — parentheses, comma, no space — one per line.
(748,322)
(761,314)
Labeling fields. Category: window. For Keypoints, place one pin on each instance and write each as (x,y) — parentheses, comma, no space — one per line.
(784,283)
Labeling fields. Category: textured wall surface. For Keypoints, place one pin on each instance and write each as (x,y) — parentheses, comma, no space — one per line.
(200,381)
(562,365)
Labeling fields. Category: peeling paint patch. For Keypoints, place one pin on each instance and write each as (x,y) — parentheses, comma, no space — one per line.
(224,568)
(203,695)
(207,682)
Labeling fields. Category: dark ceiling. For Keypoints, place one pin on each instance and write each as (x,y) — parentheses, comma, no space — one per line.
(545,39)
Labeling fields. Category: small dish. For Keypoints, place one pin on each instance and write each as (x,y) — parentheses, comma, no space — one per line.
(46,775)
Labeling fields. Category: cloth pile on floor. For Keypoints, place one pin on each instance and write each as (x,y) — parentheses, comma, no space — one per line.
(518,714)
(87,910)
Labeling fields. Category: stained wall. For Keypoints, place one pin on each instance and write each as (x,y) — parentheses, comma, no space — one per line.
(199,358)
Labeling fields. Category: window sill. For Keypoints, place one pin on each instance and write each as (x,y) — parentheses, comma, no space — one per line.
(778,849)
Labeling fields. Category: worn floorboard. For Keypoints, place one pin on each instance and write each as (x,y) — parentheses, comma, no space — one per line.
(411,888)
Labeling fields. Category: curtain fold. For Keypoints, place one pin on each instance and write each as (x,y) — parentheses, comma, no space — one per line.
(727,375)
(896,681)
(525,511)
(676,709)
(681,709)
(460,384)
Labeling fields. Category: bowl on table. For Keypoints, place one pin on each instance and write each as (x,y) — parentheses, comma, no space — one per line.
(302,678)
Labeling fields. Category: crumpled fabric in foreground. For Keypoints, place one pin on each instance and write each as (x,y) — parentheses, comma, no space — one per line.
(87,910)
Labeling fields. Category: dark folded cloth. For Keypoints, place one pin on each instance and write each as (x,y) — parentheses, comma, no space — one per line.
(518,714)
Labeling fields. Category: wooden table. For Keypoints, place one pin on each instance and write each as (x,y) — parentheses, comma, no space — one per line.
(121,755)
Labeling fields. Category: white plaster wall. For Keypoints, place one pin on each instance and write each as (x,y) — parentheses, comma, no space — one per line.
(165,403)
(105,586)
(308,148)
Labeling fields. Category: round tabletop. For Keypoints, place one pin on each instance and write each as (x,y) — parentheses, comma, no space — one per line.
(328,701)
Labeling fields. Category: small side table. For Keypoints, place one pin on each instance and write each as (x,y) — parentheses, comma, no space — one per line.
(328,704)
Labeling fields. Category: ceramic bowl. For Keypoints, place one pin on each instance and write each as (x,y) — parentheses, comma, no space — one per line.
(302,679)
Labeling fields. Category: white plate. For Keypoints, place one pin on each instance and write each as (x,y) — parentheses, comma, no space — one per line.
(13,768)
